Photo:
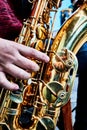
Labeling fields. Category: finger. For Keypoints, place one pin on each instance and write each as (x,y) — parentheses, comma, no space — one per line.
(16,71)
(26,63)
(31,52)
(7,84)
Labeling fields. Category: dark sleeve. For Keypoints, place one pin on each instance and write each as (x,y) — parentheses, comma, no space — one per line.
(22,8)
(10,24)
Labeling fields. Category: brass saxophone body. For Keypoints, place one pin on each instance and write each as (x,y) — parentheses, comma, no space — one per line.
(37,105)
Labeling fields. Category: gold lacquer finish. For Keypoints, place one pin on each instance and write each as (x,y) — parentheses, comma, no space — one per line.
(73,33)
(37,104)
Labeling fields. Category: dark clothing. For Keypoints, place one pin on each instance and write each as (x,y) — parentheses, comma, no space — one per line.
(81,109)
(12,13)
(10,24)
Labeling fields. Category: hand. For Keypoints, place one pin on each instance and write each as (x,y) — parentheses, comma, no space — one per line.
(14,61)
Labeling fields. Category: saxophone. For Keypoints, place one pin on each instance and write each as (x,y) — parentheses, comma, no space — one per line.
(37,104)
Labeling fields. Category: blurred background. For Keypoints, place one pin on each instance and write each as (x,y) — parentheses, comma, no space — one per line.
(66,5)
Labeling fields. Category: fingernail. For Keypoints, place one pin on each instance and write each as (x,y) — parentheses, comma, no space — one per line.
(48,59)
(37,68)
(29,75)
(16,87)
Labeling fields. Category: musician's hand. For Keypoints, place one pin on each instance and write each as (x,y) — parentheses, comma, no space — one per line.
(14,61)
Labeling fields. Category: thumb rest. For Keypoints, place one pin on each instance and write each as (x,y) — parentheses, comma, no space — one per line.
(37,104)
